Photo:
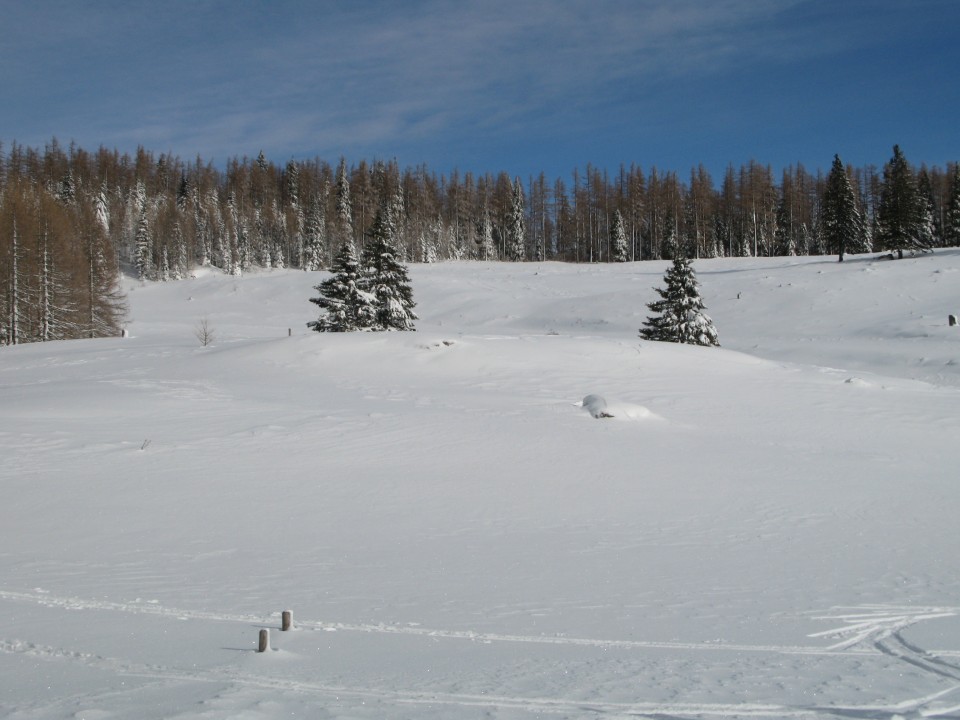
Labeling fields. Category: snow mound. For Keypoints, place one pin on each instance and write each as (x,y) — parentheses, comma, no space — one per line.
(596,406)
(600,407)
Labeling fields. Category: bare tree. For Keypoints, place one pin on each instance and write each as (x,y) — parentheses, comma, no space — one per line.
(204,332)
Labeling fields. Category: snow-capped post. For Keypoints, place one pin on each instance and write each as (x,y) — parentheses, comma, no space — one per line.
(264,640)
(952,320)
(286,620)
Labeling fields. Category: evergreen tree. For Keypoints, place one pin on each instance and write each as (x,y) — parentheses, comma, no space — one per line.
(516,233)
(952,231)
(680,308)
(101,210)
(183,193)
(618,239)
(144,248)
(841,220)
(344,220)
(901,214)
(385,278)
(347,306)
(486,250)
(931,230)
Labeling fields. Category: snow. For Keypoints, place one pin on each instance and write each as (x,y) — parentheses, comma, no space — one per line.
(766,529)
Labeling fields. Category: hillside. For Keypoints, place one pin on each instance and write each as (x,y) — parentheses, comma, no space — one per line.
(762,530)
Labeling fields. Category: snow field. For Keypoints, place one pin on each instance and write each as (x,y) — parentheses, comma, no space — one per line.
(766,530)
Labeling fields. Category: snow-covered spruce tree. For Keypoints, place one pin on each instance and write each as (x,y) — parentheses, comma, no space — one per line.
(840,218)
(486,250)
(314,236)
(144,249)
(901,215)
(932,230)
(952,230)
(344,219)
(385,278)
(618,239)
(347,306)
(516,233)
(680,317)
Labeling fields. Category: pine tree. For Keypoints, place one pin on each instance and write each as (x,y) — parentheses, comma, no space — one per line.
(314,236)
(101,210)
(144,246)
(841,220)
(516,233)
(931,231)
(618,239)
(385,278)
(680,308)
(901,214)
(952,231)
(486,250)
(344,220)
(347,306)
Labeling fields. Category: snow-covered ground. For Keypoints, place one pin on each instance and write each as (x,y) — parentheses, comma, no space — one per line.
(769,529)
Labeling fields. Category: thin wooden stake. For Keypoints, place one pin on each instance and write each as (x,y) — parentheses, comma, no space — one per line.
(264,640)
(286,620)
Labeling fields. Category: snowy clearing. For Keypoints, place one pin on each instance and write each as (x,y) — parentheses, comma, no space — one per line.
(767,529)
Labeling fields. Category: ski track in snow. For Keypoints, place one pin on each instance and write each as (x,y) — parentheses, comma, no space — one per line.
(317,625)
(867,630)
(920,707)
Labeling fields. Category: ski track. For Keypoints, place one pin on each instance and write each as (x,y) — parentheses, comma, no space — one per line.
(159,610)
(873,630)
(912,708)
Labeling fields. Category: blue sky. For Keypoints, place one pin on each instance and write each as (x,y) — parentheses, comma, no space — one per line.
(516,85)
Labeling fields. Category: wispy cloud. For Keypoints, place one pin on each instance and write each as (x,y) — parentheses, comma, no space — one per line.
(374,78)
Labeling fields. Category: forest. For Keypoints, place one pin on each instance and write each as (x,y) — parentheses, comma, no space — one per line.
(72,220)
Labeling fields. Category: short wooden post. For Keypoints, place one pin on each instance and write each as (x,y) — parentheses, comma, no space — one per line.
(264,640)
(289,332)
(286,620)
(952,320)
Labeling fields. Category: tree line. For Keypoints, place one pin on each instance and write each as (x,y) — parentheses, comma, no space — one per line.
(70,219)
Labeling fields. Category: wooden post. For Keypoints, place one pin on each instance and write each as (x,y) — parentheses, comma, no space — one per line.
(286,620)
(289,332)
(952,320)
(264,640)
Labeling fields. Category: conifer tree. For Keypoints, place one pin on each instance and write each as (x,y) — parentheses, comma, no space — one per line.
(901,213)
(618,239)
(516,233)
(101,210)
(841,221)
(931,230)
(314,233)
(347,306)
(344,220)
(952,231)
(144,248)
(486,250)
(680,317)
(385,278)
